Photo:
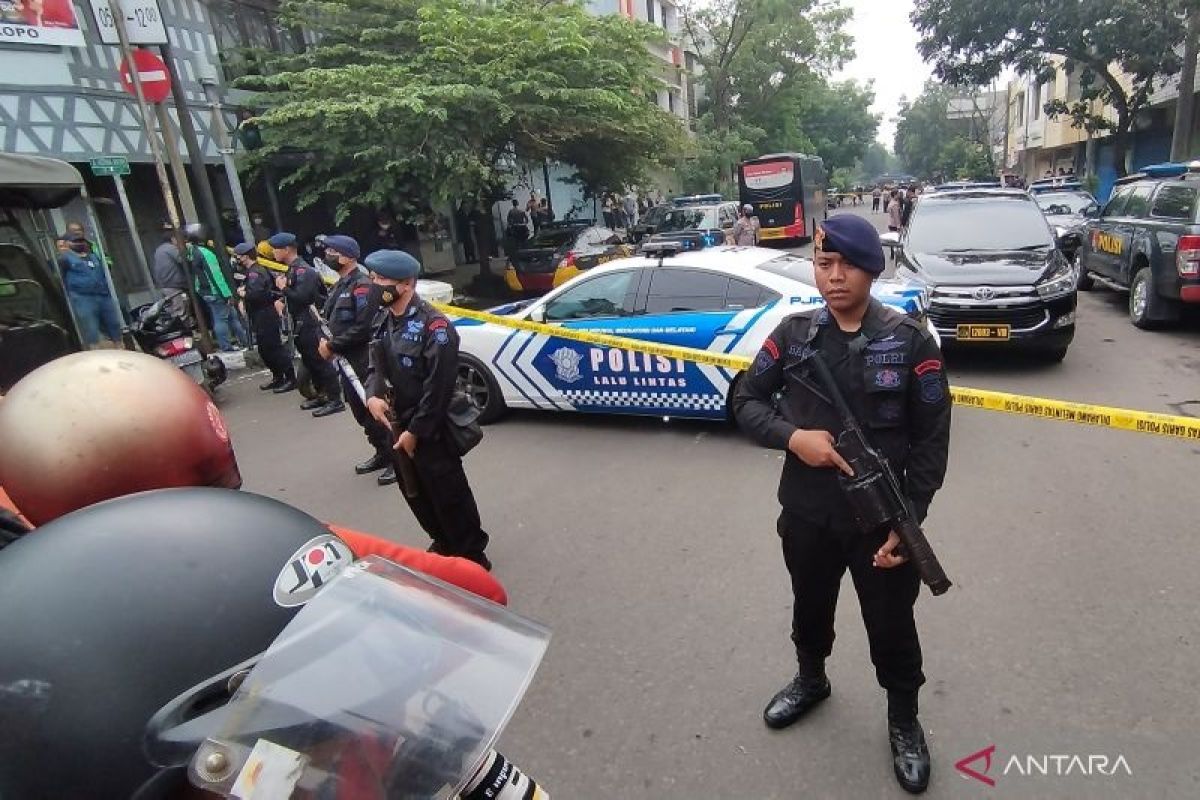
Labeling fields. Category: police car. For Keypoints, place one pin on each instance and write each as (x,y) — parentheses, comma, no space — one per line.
(721,299)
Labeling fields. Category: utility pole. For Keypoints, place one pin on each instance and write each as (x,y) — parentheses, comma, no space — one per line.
(208,79)
(196,157)
(1185,103)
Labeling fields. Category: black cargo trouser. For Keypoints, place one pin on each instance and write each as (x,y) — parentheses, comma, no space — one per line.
(379,436)
(816,558)
(265,323)
(444,505)
(324,374)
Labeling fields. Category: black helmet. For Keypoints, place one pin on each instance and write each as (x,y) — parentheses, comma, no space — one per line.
(117,613)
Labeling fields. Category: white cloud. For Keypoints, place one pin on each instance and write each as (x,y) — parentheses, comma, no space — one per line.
(885,44)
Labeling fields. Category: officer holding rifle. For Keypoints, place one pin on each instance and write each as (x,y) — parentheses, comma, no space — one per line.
(889,369)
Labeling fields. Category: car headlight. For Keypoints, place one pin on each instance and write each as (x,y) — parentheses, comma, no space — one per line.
(1060,281)
(1060,231)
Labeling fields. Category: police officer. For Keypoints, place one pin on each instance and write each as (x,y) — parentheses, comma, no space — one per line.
(259,293)
(349,310)
(890,370)
(417,353)
(301,289)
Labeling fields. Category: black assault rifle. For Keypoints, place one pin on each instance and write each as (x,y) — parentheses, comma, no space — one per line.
(874,492)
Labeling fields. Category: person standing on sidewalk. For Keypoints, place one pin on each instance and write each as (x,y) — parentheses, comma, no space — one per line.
(91,301)
(348,312)
(261,300)
(301,289)
(214,291)
(745,230)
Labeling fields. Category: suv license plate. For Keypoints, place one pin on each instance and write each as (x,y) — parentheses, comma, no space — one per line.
(983,333)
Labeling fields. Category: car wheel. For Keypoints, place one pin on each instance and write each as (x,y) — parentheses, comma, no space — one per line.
(1146,309)
(477,382)
(1085,282)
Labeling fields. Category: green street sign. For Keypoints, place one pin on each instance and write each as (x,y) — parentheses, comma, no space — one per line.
(110,165)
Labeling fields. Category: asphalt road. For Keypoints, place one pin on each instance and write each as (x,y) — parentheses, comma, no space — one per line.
(649,548)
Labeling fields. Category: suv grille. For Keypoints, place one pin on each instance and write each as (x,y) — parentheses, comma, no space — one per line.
(1020,317)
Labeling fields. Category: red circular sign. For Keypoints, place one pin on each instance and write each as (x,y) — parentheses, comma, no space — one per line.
(156,83)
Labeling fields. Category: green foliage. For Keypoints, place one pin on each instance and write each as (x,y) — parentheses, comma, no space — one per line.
(923,131)
(402,102)
(971,42)
(876,161)
(765,67)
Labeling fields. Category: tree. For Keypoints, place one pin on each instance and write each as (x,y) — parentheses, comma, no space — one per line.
(1106,41)
(756,55)
(923,130)
(406,102)
(876,161)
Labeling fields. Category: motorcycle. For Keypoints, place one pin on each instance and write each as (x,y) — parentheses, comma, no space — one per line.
(165,328)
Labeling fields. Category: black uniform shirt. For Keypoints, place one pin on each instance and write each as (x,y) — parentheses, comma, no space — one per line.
(260,289)
(303,291)
(416,353)
(890,372)
(349,312)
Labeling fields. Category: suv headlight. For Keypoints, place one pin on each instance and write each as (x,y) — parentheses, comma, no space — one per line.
(1060,281)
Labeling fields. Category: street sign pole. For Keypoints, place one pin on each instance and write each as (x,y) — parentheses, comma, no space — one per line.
(160,168)
(186,201)
(226,147)
(127,210)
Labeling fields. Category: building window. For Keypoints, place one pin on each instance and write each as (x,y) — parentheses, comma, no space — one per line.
(650,11)
(1037,103)
(1020,103)
(1073,86)
(671,101)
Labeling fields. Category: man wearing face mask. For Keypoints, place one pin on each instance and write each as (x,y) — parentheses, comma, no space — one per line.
(301,288)
(88,293)
(260,295)
(415,350)
(353,303)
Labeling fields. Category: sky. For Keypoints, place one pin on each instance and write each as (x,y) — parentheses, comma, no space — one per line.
(886,48)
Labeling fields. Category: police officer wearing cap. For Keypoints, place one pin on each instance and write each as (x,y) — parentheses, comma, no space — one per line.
(349,310)
(889,368)
(417,354)
(260,295)
(301,289)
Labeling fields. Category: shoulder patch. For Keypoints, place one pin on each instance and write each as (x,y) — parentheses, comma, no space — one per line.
(362,291)
(770,347)
(929,365)
(437,323)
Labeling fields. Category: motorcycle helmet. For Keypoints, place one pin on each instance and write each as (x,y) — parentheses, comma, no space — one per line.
(96,425)
(136,663)
(140,609)
(194,232)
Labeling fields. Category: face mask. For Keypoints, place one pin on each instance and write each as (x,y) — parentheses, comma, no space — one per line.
(383,296)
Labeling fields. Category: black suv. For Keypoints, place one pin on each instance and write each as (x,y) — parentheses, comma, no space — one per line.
(1146,240)
(994,271)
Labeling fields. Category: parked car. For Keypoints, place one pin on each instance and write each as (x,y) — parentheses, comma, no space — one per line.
(649,223)
(1067,212)
(1146,241)
(572,246)
(723,299)
(995,273)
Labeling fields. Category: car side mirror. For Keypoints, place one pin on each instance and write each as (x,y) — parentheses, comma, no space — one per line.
(1092,211)
(537,314)
(1071,240)
(891,239)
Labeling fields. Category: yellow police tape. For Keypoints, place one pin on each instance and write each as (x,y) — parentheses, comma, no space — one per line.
(1062,410)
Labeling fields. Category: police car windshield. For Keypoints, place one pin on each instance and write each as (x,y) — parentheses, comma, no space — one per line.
(972,224)
(1075,201)
(655,215)
(685,219)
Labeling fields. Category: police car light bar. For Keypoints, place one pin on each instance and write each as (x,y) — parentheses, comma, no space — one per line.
(1165,170)
(668,244)
(698,199)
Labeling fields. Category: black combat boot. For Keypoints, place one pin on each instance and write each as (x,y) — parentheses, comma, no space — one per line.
(372,464)
(275,382)
(287,383)
(807,689)
(910,753)
(316,402)
(332,407)
(387,477)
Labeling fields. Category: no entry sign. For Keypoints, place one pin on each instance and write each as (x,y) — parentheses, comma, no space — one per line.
(156,83)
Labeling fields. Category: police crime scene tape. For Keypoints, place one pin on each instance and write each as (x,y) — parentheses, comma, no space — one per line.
(1062,410)
(1124,419)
